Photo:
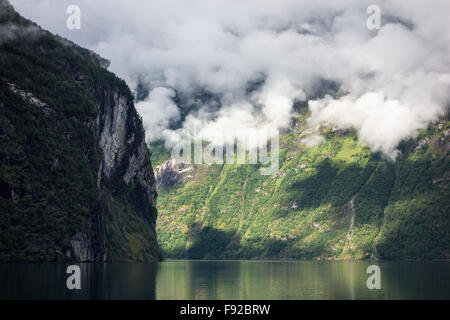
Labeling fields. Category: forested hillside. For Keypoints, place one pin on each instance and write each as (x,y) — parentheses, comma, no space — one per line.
(335,200)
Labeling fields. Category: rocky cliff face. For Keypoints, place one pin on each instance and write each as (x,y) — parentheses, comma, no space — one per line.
(125,169)
(121,139)
(172,172)
(76,180)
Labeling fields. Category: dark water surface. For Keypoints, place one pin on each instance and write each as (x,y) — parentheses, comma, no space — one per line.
(228,280)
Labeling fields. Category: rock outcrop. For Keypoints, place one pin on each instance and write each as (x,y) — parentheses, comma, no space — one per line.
(172,172)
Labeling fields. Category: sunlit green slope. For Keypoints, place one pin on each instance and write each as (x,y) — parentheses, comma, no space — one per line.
(335,200)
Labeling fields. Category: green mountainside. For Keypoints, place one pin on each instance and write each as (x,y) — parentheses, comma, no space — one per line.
(337,200)
(77,182)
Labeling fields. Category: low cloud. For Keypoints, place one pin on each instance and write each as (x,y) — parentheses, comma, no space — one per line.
(11,32)
(259,57)
(381,122)
(157,111)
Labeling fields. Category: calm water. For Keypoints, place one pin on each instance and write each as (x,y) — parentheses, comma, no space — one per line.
(228,280)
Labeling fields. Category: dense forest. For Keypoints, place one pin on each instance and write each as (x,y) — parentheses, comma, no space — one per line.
(336,200)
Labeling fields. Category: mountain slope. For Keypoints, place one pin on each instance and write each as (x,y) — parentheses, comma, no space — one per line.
(335,200)
(76,182)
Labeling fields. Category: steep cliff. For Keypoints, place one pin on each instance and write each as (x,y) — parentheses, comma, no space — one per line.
(76,182)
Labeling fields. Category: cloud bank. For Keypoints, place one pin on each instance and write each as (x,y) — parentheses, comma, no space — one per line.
(259,57)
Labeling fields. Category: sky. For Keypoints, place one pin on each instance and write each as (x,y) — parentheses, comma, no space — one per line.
(390,81)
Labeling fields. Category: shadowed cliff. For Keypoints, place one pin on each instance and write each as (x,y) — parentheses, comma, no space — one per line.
(75,174)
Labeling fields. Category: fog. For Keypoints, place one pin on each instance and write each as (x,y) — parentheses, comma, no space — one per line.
(387,82)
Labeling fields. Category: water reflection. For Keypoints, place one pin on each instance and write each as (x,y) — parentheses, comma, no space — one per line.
(228,280)
(300,280)
(98,281)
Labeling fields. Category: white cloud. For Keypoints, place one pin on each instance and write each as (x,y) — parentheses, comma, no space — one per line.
(157,111)
(392,81)
(313,140)
(381,122)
